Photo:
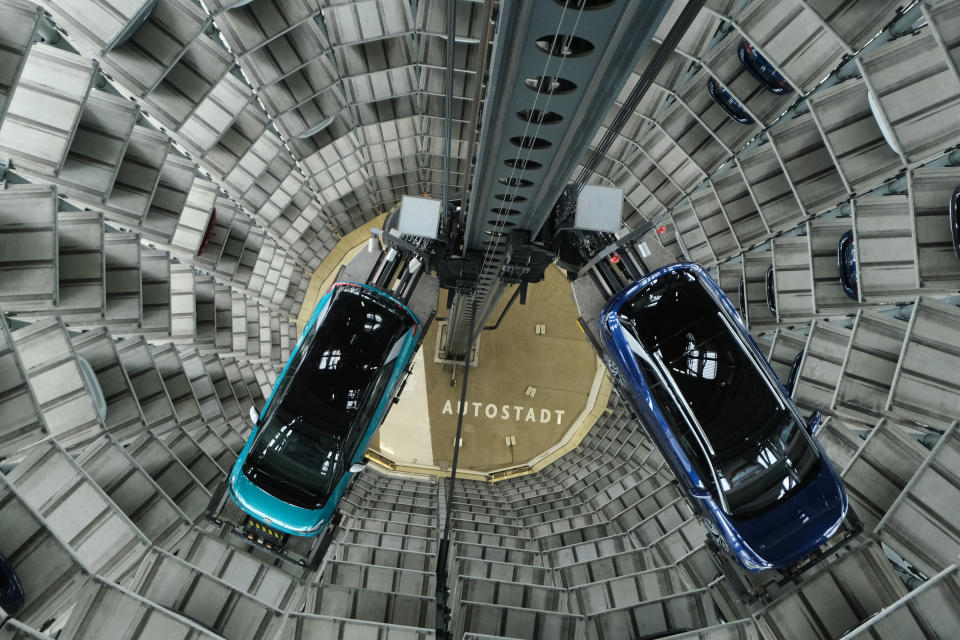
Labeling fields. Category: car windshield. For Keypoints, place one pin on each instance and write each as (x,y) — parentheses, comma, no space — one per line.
(327,397)
(759,451)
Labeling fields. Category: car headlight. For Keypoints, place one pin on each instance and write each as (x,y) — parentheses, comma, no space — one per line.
(306,530)
(750,563)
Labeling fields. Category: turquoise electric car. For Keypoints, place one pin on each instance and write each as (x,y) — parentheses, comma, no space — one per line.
(331,397)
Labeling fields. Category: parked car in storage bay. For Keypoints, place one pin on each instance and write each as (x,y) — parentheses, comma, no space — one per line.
(11,591)
(742,453)
(765,73)
(727,102)
(847,264)
(954,219)
(330,399)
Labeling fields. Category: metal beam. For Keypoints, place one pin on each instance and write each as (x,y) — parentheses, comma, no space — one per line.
(574,44)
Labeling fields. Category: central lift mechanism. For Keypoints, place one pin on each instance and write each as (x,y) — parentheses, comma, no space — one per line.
(539,117)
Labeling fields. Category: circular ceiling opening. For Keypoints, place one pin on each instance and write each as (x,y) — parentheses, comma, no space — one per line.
(503,211)
(516,182)
(531,142)
(564,46)
(536,116)
(509,197)
(523,165)
(553,85)
(585,5)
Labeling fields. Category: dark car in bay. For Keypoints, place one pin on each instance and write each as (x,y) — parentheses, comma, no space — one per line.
(727,102)
(11,591)
(954,216)
(847,264)
(761,69)
(794,373)
(743,455)
(771,290)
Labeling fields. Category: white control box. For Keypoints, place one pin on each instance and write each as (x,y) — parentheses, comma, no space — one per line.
(419,217)
(599,209)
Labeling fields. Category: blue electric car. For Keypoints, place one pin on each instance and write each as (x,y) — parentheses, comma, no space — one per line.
(330,399)
(742,453)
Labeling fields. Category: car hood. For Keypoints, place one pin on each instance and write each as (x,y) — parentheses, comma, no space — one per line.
(270,509)
(814,514)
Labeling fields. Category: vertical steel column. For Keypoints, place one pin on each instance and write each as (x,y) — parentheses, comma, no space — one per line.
(540,115)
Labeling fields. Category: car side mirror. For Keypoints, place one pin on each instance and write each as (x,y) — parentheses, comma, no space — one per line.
(699,493)
(813,423)
(254,415)
(357,467)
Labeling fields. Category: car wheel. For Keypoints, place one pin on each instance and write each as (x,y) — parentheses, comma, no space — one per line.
(721,544)
(852,522)
(713,532)
(612,367)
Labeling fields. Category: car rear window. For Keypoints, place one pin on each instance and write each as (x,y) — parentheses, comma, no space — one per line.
(759,450)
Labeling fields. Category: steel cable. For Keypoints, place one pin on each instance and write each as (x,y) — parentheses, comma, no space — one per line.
(664,51)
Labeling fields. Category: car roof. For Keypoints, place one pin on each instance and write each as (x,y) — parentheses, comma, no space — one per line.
(340,358)
(667,326)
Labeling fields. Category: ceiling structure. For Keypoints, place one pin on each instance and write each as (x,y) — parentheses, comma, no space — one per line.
(280,126)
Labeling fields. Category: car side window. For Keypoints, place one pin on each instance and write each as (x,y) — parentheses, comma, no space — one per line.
(678,425)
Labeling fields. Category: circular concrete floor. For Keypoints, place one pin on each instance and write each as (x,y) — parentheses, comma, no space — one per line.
(565,375)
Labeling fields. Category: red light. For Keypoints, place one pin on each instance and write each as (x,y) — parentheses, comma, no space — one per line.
(342,284)
(661,229)
(615,258)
